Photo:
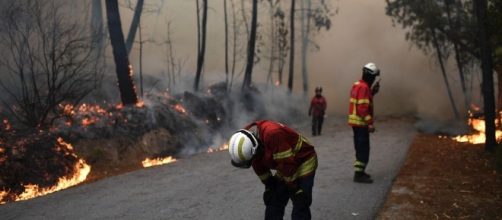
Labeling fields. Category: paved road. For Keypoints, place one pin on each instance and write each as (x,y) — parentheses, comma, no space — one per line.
(206,186)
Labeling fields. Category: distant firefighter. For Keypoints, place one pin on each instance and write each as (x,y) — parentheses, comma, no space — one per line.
(317,110)
(268,145)
(361,119)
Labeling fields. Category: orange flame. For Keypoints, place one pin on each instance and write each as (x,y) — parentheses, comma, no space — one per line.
(180,108)
(277,83)
(220,148)
(6,124)
(157,161)
(478,137)
(80,172)
(140,104)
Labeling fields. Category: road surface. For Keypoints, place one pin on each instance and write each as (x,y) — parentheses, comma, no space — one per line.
(206,186)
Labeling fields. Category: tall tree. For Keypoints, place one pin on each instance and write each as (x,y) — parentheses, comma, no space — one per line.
(291,46)
(226,39)
(251,47)
(98,35)
(122,66)
(202,50)
(305,14)
(134,25)
(480,7)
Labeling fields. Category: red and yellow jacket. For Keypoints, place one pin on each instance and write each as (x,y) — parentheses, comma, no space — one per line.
(285,151)
(361,105)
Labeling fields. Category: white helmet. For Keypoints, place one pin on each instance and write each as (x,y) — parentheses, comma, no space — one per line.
(372,69)
(242,147)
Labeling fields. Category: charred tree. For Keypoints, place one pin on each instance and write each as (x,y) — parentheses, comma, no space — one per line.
(134,25)
(226,40)
(443,71)
(122,66)
(291,46)
(47,60)
(480,7)
(305,41)
(251,48)
(202,49)
(98,36)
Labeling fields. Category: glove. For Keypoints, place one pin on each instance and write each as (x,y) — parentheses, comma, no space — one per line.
(301,199)
(371,128)
(267,196)
(270,186)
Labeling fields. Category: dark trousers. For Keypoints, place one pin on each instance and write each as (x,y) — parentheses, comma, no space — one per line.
(275,209)
(362,146)
(317,125)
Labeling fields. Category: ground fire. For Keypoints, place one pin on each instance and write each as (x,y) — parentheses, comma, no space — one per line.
(77,175)
(157,161)
(477,124)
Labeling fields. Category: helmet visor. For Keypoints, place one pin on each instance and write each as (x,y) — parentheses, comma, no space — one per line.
(243,165)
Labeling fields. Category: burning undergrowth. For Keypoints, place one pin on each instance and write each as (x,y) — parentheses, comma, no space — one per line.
(109,137)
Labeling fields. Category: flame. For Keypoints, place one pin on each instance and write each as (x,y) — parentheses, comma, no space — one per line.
(158,161)
(6,124)
(81,170)
(119,106)
(180,108)
(140,104)
(478,137)
(220,148)
(277,83)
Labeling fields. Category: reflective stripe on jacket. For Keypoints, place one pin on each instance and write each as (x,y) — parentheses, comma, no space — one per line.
(361,105)
(285,151)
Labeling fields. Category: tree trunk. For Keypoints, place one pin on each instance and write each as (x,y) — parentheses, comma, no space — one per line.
(272,44)
(123,69)
(226,40)
(292,47)
(140,62)
(480,7)
(251,45)
(460,65)
(443,71)
(97,36)
(234,44)
(134,26)
(202,51)
(305,42)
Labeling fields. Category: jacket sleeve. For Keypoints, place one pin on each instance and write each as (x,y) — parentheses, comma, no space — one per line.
(285,160)
(311,105)
(261,171)
(363,105)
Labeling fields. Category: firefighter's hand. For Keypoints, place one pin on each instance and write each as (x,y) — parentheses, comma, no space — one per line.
(268,196)
(375,88)
(371,128)
(301,199)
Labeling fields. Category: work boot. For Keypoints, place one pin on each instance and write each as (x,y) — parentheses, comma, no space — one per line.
(361,177)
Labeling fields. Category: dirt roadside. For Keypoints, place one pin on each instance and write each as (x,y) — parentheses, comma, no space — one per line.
(444,179)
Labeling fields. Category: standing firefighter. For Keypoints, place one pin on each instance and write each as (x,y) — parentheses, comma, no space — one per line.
(361,119)
(268,145)
(317,109)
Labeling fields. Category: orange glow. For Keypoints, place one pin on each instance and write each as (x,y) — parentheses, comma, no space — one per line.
(119,106)
(180,108)
(277,83)
(157,161)
(140,104)
(478,137)
(220,148)
(6,124)
(80,172)
(88,121)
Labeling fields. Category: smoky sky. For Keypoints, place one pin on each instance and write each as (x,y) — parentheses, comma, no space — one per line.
(361,32)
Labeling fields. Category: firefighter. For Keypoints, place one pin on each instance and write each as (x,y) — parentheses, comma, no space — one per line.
(268,145)
(317,109)
(361,119)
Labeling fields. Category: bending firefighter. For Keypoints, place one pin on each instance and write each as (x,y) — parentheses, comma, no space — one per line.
(361,119)
(268,145)
(317,110)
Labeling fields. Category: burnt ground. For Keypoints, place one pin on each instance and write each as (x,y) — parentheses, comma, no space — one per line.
(443,179)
